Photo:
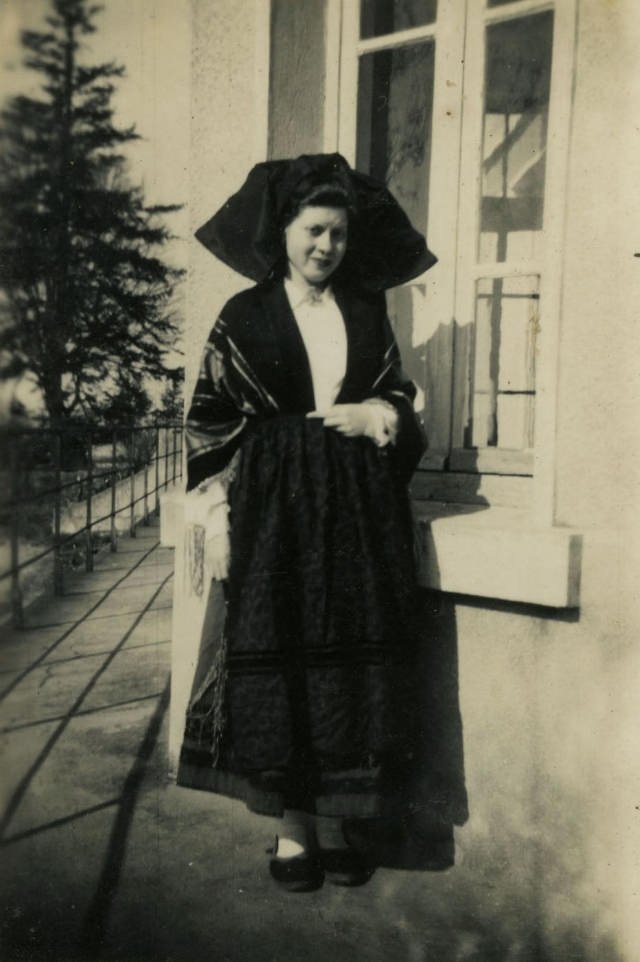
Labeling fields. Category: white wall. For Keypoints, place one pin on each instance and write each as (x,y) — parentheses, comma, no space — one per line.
(225,113)
(598,413)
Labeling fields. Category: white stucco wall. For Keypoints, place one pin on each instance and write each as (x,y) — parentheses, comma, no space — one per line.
(598,476)
(225,115)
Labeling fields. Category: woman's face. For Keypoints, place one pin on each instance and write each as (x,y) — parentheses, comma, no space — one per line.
(316,242)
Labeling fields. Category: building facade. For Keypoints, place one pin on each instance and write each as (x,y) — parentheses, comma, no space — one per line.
(508,130)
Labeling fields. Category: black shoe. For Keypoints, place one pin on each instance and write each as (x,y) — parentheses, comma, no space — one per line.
(345,866)
(300,873)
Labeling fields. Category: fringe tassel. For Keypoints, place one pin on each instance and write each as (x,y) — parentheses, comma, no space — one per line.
(207,723)
(228,474)
(195,557)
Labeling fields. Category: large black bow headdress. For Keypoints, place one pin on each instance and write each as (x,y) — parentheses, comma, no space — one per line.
(246,233)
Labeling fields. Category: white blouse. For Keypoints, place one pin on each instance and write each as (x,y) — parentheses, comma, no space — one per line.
(321,325)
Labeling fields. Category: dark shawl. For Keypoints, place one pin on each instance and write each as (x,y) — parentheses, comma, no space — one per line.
(255,366)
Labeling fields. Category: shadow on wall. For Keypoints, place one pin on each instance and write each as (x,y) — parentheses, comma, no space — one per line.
(518,897)
(426,346)
(426,690)
(520,889)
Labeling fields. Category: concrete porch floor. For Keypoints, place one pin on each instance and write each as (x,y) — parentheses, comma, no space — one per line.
(104,858)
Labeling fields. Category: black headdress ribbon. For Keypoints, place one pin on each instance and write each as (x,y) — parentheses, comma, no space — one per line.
(384,249)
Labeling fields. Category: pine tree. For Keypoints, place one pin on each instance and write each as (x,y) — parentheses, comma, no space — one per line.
(86,294)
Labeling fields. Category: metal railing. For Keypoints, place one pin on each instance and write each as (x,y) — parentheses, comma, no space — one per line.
(53,469)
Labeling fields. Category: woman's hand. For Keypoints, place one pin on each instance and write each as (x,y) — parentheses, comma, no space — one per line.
(351,420)
(373,418)
(216,556)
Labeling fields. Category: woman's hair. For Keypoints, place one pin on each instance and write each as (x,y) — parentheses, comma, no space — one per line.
(325,194)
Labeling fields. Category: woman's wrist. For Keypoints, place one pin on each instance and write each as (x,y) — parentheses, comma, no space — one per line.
(207,506)
(383,421)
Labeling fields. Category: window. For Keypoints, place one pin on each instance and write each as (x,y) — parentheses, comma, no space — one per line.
(463,109)
(380,17)
(395,96)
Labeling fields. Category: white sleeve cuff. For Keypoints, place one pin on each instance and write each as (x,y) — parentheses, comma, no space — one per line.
(207,506)
(383,422)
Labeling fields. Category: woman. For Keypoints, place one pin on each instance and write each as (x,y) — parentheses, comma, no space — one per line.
(302,437)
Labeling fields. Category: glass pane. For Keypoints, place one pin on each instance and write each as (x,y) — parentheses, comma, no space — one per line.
(498,3)
(395,95)
(502,363)
(514,139)
(378,17)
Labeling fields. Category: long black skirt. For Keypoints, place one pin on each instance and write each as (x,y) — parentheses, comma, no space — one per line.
(311,696)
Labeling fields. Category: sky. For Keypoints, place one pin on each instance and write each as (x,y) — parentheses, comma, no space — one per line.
(151,39)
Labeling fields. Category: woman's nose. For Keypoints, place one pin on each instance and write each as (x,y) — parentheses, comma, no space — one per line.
(324,242)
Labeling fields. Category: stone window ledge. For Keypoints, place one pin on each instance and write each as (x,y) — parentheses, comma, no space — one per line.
(497,553)
(486,552)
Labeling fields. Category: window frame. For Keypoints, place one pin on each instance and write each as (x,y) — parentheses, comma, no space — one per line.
(500,476)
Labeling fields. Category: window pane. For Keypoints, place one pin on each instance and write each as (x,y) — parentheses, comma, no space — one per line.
(395,94)
(502,364)
(378,17)
(498,3)
(518,74)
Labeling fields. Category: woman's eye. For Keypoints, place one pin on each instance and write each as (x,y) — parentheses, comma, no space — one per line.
(318,231)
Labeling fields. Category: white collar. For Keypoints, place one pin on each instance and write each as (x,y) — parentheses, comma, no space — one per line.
(300,294)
